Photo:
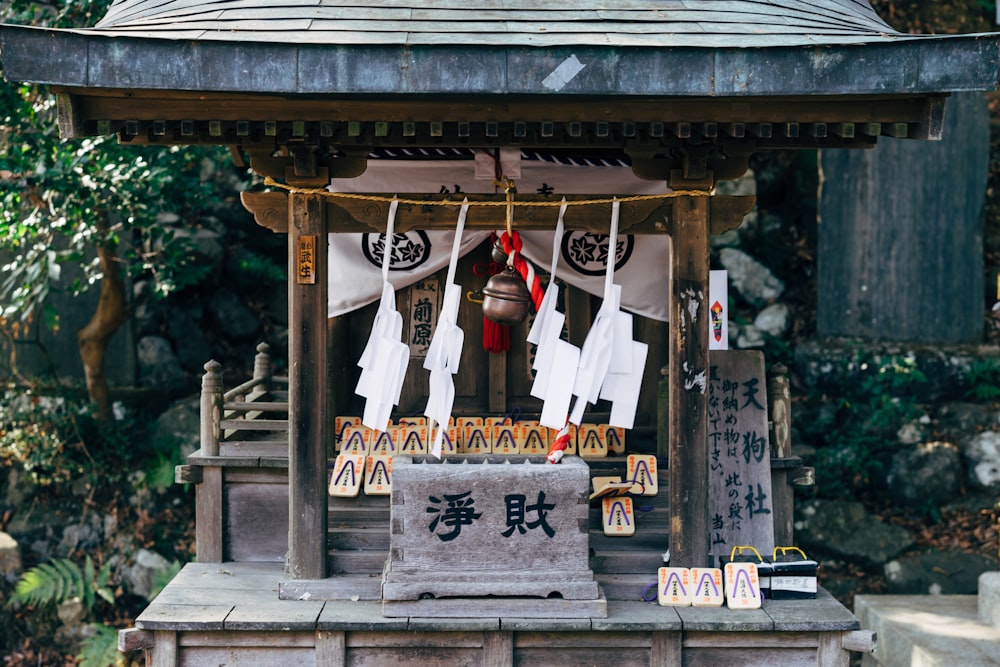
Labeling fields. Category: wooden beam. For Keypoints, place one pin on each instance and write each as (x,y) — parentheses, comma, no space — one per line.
(164,649)
(94,104)
(653,216)
(208,516)
(307,388)
(361,215)
(687,430)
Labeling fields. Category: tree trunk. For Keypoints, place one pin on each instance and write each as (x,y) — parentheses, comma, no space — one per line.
(110,315)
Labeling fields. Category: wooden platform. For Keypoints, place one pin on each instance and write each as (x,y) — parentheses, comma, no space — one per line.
(230,614)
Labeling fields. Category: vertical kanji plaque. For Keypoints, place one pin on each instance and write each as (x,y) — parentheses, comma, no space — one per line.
(739,462)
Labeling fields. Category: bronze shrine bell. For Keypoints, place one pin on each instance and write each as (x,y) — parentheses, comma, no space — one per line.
(506,297)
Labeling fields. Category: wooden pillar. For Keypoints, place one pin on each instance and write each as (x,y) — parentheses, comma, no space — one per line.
(688,368)
(307,387)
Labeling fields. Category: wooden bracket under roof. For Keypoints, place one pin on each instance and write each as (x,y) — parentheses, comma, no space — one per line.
(647,216)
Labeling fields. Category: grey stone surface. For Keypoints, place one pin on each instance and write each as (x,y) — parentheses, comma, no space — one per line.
(960,417)
(774,319)
(237,320)
(927,630)
(158,366)
(988,602)
(81,536)
(465,527)
(140,577)
(937,573)
(746,336)
(754,281)
(982,455)
(913,432)
(192,346)
(10,555)
(178,427)
(926,475)
(845,529)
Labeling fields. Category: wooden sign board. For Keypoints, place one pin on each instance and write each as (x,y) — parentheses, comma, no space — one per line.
(591,442)
(356,440)
(348,475)
(739,462)
(341,423)
(424,310)
(305,256)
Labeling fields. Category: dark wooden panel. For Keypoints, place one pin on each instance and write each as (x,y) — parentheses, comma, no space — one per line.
(415,656)
(256,522)
(747,656)
(581,657)
(258,656)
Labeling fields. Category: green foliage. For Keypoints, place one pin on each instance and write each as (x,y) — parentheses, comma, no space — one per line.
(854,421)
(61,579)
(254,268)
(101,649)
(60,200)
(982,381)
(57,441)
(57,13)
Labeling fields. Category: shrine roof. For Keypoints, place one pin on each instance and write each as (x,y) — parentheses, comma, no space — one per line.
(617,47)
(658,23)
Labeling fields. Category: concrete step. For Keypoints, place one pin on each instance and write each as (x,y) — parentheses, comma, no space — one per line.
(927,630)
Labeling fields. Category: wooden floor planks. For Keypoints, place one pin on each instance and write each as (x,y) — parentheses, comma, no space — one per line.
(244,596)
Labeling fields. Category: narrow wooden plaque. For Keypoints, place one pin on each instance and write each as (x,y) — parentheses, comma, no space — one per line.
(305,260)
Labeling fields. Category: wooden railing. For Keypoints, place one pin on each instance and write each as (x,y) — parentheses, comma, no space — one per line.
(252,415)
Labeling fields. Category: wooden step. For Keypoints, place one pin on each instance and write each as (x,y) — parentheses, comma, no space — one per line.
(626,561)
(254,424)
(258,406)
(358,516)
(356,562)
(352,587)
(361,500)
(254,448)
(627,587)
(649,539)
(358,538)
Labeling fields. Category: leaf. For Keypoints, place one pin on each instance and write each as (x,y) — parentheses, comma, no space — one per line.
(48,583)
(107,595)
(100,650)
(88,574)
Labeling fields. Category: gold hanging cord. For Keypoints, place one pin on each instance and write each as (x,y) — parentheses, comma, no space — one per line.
(508,200)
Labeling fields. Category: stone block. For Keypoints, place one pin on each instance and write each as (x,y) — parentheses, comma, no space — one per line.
(10,555)
(489,527)
(989,598)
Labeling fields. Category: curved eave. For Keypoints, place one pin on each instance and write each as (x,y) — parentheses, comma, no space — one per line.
(890,66)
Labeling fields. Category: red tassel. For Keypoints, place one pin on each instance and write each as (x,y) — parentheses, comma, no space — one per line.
(496,337)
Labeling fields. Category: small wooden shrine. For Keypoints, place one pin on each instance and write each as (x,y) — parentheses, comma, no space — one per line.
(306,92)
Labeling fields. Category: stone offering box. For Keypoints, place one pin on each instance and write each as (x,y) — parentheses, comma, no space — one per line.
(488,536)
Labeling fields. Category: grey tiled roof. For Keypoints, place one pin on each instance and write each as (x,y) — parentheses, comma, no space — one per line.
(595,48)
(662,23)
